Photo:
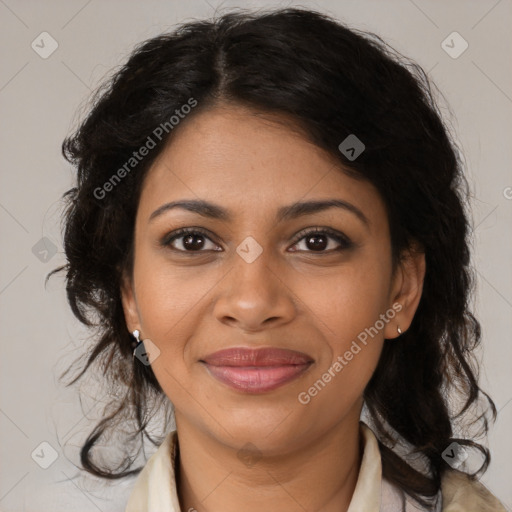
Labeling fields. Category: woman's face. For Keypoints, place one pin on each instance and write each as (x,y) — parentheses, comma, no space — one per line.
(251,282)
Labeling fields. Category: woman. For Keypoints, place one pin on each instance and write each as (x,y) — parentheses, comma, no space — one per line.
(269,232)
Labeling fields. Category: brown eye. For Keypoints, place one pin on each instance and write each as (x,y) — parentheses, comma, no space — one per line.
(190,239)
(317,240)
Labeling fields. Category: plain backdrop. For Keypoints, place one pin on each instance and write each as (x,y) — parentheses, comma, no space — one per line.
(40,99)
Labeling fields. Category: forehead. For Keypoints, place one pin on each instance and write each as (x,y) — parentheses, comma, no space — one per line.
(249,162)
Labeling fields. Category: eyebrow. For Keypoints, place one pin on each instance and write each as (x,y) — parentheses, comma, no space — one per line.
(292,211)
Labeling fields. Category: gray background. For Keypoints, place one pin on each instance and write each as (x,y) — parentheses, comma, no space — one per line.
(40,99)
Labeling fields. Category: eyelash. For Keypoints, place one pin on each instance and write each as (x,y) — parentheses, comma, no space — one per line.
(343,240)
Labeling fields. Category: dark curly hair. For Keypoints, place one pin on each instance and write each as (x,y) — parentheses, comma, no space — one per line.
(331,81)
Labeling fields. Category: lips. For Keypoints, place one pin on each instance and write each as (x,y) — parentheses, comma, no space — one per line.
(256,370)
(256,357)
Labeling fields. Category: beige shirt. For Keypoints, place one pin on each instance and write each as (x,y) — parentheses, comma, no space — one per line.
(155,487)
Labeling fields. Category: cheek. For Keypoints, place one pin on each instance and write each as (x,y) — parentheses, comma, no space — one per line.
(347,302)
(348,314)
(336,389)
(347,307)
(167,305)
(168,297)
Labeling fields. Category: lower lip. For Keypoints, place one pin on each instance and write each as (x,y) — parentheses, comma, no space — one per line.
(256,379)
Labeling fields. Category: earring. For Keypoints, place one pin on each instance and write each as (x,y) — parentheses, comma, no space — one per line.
(399,330)
(136,334)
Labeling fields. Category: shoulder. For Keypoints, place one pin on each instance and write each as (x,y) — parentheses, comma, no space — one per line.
(463,494)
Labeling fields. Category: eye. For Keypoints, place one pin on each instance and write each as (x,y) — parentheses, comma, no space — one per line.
(317,240)
(190,239)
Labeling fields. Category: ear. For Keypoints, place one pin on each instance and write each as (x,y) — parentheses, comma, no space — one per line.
(407,288)
(131,312)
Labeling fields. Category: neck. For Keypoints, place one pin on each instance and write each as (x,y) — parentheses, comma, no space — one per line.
(320,475)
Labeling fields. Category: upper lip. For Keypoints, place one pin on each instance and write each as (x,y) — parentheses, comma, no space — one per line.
(267,356)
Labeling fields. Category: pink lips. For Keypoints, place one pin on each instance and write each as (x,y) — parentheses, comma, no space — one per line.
(256,370)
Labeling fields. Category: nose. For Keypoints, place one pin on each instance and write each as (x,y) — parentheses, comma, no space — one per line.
(254,296)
